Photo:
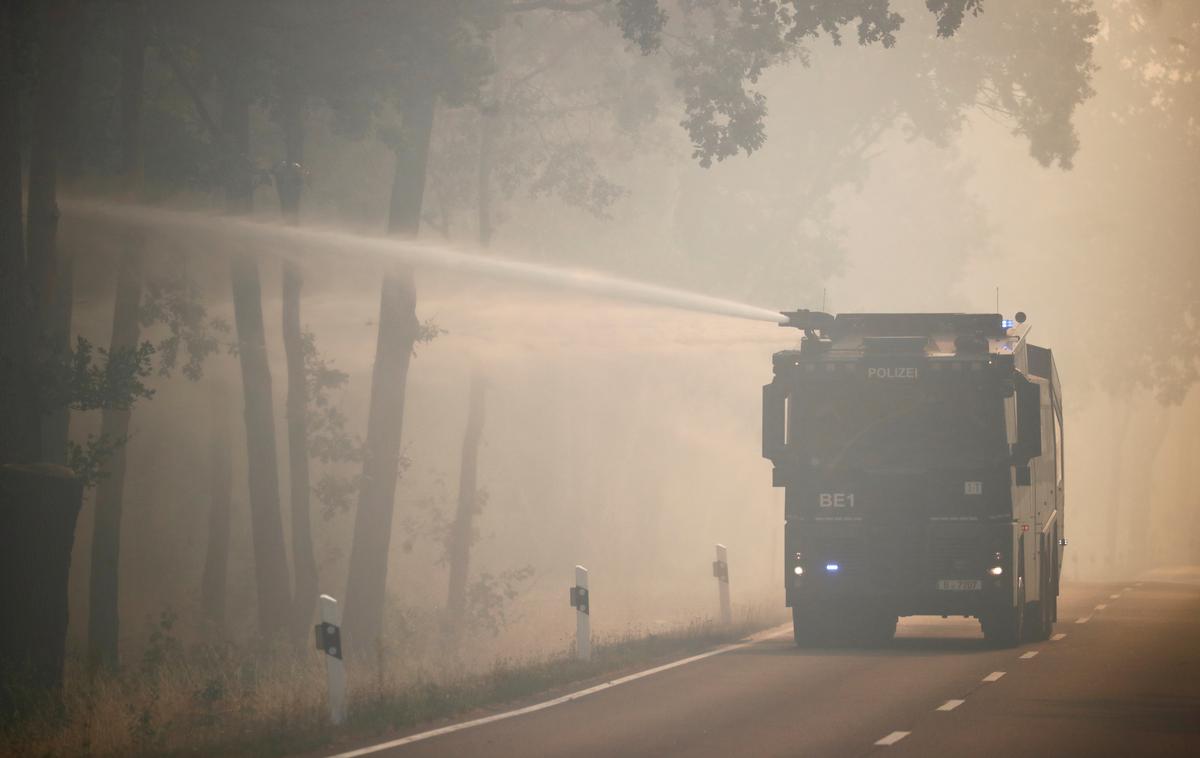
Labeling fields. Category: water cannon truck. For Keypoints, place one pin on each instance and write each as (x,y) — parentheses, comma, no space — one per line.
(921,456)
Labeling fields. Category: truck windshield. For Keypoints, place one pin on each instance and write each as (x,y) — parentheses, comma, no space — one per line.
(885,427)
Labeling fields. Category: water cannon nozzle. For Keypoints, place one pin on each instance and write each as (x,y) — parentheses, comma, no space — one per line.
(808,321)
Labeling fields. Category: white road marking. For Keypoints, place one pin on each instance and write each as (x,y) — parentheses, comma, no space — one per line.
(993,676)
(755,639)
(1030,654)
(1137,584)
(1058,636)
(1083,620)
(892,738)
(1102,606)
(950,705)
(1127,589)
(1114,596)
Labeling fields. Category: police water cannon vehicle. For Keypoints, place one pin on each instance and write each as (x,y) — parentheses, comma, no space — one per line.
(921,456)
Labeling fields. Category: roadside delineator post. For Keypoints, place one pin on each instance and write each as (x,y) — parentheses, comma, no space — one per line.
(721,572)
(329,642)
(583,615)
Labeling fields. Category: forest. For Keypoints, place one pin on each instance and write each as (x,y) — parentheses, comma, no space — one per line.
(419,304)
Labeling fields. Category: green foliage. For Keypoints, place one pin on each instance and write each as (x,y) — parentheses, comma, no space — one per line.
(176,302)
(572,174)
(950,13)
(489,597)
(728,46)
(427,331)
(341,455)
(88,460)
(641,22)
(320,377)
(87,378)
(877,22)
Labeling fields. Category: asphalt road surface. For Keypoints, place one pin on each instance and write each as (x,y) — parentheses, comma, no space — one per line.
(1121,677)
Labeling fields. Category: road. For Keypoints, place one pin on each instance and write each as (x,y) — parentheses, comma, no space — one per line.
(1122,678)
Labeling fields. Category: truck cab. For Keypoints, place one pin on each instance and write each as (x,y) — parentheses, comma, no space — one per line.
(921,459)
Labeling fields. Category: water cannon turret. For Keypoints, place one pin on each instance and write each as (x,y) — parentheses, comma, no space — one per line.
(809,322)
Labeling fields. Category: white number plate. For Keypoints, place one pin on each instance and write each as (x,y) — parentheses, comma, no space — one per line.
(960,584)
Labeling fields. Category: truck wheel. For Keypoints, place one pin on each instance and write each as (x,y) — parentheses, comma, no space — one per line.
(878,629)
(1040,622)
(1035,623)
(1005,627)
(806,627)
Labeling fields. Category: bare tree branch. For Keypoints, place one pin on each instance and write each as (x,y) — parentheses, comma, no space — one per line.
(181,76)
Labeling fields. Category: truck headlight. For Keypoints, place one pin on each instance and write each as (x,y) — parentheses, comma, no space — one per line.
(798,571)
(996,570)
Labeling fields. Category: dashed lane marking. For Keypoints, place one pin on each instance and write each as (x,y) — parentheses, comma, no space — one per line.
(892,738)
(994,676)
(1083,620)
(950,705)
(1058,636)
(1114,596)
(1127,589)
(1030,654)
(752,640)
(1102,606)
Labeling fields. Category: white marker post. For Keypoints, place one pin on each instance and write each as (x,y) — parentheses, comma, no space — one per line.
(583,615)
(329,641)
(721,572)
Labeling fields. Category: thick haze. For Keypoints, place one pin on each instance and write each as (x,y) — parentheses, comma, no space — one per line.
(626,436)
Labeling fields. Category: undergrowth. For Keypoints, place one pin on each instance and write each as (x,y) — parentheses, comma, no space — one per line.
(220,699)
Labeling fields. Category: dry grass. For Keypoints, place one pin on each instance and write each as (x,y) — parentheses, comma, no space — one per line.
(226,701)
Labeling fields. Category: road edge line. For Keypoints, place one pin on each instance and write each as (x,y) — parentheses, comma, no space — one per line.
(420,736)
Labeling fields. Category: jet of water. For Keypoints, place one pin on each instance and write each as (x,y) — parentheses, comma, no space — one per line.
(293,240)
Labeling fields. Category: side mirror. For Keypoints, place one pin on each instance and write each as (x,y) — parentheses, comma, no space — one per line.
(1029,422)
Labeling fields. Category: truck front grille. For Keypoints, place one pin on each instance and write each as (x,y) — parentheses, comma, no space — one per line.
(955,551)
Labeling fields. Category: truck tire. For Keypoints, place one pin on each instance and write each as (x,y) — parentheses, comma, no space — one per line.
(878,629)
(1039,619)
(1005,627)
(807,629)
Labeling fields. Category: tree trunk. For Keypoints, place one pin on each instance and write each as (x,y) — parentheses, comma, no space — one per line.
(270,558)
(1187,486)
(462,530)
(297,423)
(38,507)
(487,125)
(104,589)
(20,434)
(398,330)
(367,579)
(56,105)
(60,46)
(289,181)
(1113,527)
(412,158)
(289,177)
(103,597)
(220,477)
(1142,553)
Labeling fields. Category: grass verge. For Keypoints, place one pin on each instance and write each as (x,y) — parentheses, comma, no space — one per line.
(223,703)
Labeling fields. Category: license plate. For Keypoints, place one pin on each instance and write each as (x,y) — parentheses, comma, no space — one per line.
(960,585)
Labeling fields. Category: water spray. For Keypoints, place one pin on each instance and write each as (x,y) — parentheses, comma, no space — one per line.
(423,255)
